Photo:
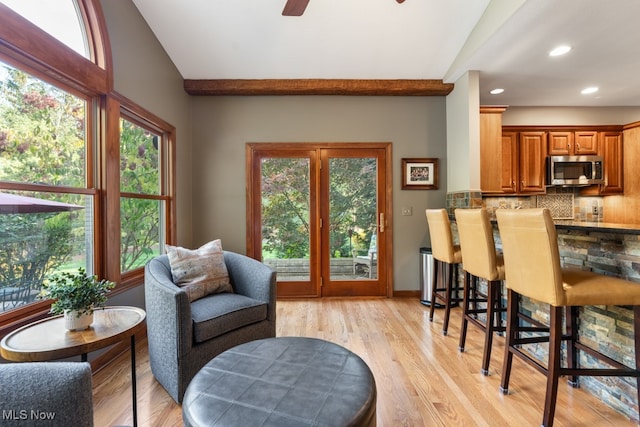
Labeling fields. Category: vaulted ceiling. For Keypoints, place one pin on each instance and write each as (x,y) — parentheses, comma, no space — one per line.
(506,41)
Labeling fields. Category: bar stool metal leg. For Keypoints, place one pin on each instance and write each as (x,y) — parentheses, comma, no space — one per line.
(466,301)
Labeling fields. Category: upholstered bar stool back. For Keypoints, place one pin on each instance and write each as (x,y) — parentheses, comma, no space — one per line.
(445,253)
(480,261)
(533,269)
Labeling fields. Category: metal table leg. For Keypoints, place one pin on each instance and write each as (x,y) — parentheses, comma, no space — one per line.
(133,381)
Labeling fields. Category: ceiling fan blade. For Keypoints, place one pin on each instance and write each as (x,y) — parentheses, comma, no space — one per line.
(295,7)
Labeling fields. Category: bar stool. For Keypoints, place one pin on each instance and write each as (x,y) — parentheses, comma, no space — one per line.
(479,261)
(532,263)
(444,253)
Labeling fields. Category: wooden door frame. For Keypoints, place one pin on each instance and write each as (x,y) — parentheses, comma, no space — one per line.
(253,196)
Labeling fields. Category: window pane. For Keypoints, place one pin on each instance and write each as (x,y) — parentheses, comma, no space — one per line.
(59,18)
(40,235)
(141,231)
(42,132)
(139,170)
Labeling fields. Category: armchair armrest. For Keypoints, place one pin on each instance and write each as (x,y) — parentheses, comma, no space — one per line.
(168,310)
(253,279)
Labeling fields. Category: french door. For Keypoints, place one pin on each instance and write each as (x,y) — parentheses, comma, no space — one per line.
(319,215)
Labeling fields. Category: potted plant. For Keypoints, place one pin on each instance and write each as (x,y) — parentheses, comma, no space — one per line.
(76,295)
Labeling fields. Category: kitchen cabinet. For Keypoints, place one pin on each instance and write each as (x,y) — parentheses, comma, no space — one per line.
(518,163)
(509,162)
(533,152)
(610,143)
(491,152)
(512,158)
(523,162)
(611,151)
(573,143)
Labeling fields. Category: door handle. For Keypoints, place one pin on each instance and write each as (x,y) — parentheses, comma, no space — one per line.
(381,222)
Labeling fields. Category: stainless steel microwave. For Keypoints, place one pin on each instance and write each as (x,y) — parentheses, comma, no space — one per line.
(574,170)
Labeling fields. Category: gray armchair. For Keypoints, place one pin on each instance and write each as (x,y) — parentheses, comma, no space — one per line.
(46,393)
(183,336)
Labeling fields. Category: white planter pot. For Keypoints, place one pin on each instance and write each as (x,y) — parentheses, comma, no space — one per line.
(74,323)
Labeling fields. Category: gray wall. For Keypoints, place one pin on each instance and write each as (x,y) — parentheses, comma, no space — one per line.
(222,125)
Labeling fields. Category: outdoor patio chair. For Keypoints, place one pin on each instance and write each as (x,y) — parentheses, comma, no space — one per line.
(368,261)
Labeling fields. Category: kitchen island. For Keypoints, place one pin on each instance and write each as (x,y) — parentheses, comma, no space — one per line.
(610,249)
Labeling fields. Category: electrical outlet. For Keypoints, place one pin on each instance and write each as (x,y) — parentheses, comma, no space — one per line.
(595,210)
(407,211)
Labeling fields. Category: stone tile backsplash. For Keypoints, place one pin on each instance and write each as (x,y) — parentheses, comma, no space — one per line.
(564,203)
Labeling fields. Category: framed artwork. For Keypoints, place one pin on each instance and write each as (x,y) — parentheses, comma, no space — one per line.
(419,174)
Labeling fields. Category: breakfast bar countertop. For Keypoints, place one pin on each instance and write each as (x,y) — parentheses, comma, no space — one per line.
(569,224)
(605,227)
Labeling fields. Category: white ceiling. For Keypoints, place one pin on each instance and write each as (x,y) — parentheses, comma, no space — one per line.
(507,41)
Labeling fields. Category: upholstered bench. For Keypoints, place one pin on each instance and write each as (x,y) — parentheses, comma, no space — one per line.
(279,382)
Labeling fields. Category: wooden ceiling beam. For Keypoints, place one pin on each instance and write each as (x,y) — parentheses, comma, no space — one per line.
(238,87)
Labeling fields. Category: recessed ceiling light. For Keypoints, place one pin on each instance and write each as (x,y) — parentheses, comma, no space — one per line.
(589,90)
(560,50)
(496,91)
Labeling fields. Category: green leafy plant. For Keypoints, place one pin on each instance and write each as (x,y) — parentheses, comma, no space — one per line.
(76,292)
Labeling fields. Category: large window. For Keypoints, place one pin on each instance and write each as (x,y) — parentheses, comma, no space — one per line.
(85,174)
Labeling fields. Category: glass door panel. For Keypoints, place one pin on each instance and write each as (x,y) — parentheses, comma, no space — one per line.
(353,227)
(353,190)
(286,218)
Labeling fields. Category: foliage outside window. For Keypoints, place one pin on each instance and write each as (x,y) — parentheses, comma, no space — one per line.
(353,205)
(141,217)
(42,145)
(285,206)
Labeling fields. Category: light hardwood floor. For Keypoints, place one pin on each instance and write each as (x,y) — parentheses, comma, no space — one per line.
(421,377)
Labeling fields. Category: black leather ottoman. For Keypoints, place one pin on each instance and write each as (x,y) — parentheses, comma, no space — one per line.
(280,382)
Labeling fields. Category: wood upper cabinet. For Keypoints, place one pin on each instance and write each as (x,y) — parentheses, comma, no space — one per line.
(509,161)
(523,162)
(573,143)
(490,149)
(611,151)
(532,148)
(519,163)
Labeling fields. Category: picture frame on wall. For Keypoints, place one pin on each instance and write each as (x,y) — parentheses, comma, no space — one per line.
(420,174)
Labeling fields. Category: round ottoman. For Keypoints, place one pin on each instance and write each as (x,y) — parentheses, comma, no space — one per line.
(280,382)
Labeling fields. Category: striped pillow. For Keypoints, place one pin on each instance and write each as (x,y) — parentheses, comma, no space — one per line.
(200,272)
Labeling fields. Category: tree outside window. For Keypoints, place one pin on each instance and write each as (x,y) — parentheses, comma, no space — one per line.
(140,176)
(42,146)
